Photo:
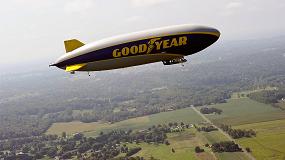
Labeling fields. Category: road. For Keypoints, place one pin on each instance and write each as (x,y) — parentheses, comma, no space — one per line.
(224,133)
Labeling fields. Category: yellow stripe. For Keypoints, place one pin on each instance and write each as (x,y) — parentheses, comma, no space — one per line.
(74,67)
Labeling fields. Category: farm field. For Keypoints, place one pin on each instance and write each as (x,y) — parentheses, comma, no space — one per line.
(269,142)
(186,115)
(240,113)
(216,136)
(183,144)
(244,94)
(245,111)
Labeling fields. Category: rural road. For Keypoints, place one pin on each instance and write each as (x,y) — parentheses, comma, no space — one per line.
(224,133)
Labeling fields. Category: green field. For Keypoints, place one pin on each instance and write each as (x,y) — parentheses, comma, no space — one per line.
(212,137)
(269,142)
(216,136)
(187,115)
(183,143)
(240,113)
(245,111)
(244,94)
(232,156)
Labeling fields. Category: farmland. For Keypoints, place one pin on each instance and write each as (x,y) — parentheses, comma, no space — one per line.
(186,115)
(269,142)
(244,111)
(183,143)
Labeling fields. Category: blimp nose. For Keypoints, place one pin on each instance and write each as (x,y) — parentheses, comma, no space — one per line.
(216,33)
(203,38)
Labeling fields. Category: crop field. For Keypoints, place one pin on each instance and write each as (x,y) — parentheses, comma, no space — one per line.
(269,142)
(232,156)
(212,137)
(244,94)
(216,136)
(186,115)
(183,143)
(240,113)
(245,111)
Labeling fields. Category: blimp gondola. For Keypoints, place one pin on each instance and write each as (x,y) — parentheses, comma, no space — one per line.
(167,44)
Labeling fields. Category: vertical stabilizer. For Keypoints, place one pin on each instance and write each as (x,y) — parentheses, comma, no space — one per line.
(72,44)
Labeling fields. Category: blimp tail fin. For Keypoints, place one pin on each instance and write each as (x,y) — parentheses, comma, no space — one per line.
(74,67)
(72,44)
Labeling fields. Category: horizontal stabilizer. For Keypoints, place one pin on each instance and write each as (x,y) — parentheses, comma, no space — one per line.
(72,44)
(74,67)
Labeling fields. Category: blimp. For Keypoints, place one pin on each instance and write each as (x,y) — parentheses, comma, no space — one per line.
(169,45)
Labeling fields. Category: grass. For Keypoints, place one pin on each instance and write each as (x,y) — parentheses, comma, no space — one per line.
(183,143)
(244,111)
(244,94)
(232,156)
(213,137)
(216,136)
(186,115)
(269,142)
(281,104)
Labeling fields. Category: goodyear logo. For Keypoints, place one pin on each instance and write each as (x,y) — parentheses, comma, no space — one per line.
(155,43)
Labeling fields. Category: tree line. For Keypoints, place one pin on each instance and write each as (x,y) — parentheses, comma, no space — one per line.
(207,128)
(268,96)
(237,133)
(207,110)
(225,146)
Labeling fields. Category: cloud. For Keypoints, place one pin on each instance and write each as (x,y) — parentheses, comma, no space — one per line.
(133,19)
(233,5)
(78,6)
(231,8)
(145,3)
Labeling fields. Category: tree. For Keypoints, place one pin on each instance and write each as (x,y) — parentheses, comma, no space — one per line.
(63,134)
(78,136)
(84,147)
(133,151)
(25,149)
(248,149)
(198,149)
(166,142)
(52,152)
